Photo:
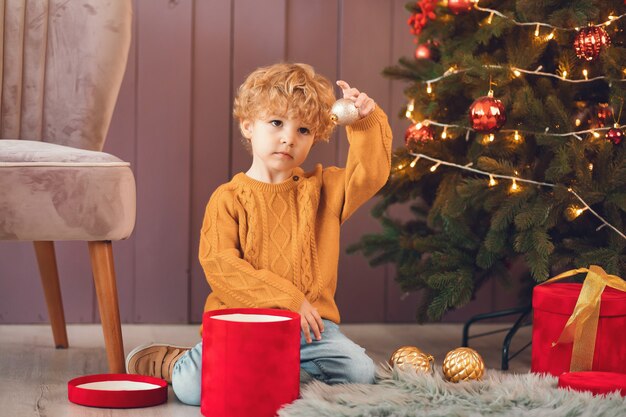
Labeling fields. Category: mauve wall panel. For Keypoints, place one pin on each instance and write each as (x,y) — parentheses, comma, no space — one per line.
(365,32)
(211,141)
(21,295)
(173,123)
(163,160)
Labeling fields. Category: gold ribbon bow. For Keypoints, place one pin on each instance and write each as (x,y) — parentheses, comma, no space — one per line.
(582,325)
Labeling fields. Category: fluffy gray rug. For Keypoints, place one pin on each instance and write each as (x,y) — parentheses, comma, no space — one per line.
(406,394)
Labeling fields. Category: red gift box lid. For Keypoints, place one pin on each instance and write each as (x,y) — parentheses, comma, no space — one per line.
(596,382)
(117,391)
(560,298)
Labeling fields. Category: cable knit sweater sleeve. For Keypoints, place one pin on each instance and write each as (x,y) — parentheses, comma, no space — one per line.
(368,165)
(235,281)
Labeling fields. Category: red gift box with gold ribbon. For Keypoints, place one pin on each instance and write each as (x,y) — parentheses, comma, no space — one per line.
(250,361)
(580,327)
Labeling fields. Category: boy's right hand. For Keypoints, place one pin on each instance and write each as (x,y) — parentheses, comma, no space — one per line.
(310,319)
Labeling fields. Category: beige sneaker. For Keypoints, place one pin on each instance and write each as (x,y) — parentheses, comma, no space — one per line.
(154,360)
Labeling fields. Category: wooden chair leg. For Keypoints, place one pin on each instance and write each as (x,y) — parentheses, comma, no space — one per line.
(46,259)
(101,254)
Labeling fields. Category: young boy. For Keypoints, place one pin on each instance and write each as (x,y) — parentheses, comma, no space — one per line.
(270,237)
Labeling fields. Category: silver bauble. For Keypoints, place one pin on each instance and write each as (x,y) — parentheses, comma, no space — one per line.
(344,112)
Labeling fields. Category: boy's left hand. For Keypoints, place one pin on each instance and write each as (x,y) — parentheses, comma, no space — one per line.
(364,103)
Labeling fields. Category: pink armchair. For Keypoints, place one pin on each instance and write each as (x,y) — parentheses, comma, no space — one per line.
(62,66)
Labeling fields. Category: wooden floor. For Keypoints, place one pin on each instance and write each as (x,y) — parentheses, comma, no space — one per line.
(34,375)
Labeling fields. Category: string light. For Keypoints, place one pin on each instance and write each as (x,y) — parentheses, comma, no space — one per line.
(564,74)
(575,211)
(516,137)
(585,73)
(429,88)
(516,179)
(444,134)
(550,36)
(577,134)
(492,181)
(434,167)
(541,24)
(518,71)
(414,162)
(490,18)
(514,187)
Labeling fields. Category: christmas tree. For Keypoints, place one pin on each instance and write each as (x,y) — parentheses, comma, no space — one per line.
(515,148)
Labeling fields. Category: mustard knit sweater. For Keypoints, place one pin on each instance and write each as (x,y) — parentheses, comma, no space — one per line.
(271,245)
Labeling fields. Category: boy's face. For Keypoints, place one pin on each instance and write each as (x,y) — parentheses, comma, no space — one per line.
(280,143)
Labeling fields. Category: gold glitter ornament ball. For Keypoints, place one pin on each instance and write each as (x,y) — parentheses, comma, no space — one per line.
(344,112)
(463,364)
(412,358)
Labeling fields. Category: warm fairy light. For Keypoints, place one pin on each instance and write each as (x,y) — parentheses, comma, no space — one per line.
(400,166)
(490,18)
(492,181)
(491,137)
(550,36)
(419,125)
(514,187)
(585,74)
(517,73)
(575,211)
(429,88)
(537,31)
(409,109)
(590,166)
(434,167)
(564,74)
(577,122)
(414,162)
(451,70)
(596,134)
(444,134)
(516,136)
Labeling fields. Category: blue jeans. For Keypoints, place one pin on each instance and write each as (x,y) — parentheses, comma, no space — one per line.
(334,360)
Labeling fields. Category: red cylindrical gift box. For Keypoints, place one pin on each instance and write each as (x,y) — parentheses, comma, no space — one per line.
(553,304)
(250,361)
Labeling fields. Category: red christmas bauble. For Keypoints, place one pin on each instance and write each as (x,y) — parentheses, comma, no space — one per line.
(487,114)
(589,41)
(615,135)
(459,6)
(422,52)
(418,132)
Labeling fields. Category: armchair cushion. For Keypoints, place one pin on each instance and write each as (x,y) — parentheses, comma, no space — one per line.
(54,192)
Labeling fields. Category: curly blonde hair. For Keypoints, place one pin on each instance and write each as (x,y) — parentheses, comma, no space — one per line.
(293,90)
